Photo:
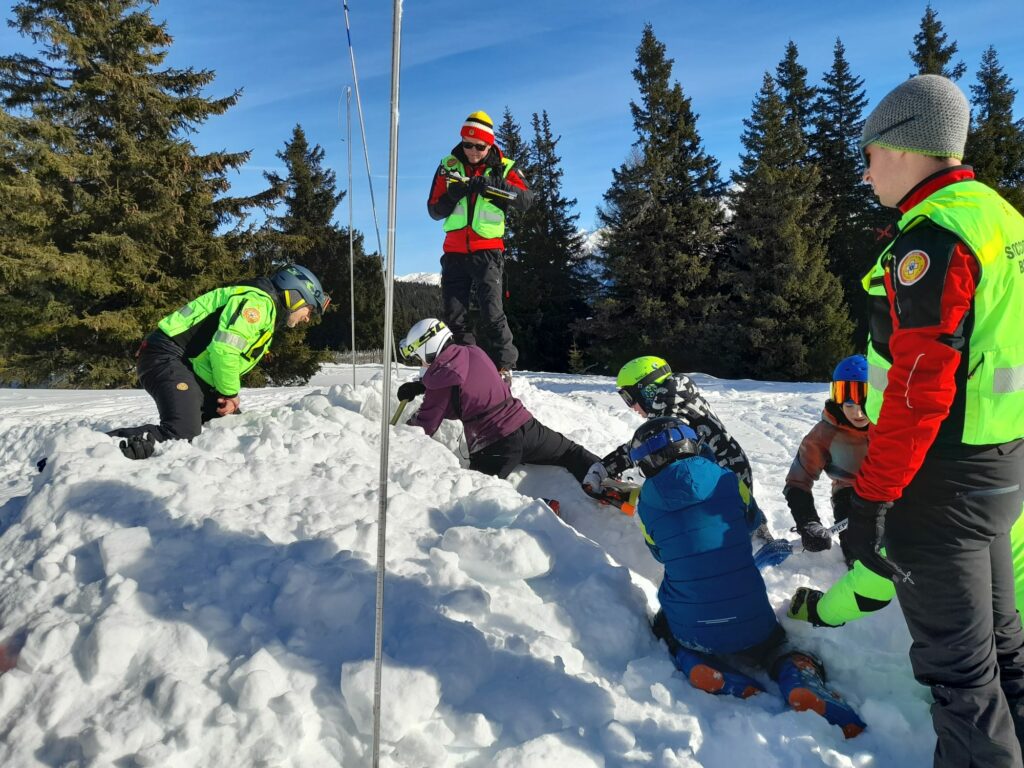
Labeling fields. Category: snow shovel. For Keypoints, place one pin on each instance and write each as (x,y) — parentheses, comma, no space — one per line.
(775,552)
(398,413)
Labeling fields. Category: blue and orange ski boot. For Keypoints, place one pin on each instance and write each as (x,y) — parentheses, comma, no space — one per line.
(801,680)
(712,675)
(703,671)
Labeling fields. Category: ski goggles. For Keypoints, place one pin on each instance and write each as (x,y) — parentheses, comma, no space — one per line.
(642,392)
(855,392)
(661,441)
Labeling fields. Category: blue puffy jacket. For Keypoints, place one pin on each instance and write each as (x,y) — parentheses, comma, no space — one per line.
(696,524)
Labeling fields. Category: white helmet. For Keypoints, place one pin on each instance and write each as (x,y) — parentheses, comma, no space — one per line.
(424,340)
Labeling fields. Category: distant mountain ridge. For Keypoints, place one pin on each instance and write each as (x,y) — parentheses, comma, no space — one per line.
(428,278)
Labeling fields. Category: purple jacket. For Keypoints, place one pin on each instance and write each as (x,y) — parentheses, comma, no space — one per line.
(462,383)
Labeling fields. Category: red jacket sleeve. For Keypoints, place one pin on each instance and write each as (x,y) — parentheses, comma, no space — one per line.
(928,333)
(514,182)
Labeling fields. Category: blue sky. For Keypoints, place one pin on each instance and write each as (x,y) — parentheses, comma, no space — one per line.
(570,57)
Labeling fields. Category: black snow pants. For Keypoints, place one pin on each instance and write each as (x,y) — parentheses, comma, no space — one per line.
(532,443)
(185,402)
(950,530)
(483,269)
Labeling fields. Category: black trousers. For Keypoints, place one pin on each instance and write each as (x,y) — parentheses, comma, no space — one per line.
(532,443)
(185,402)
(950,530)
(460,272)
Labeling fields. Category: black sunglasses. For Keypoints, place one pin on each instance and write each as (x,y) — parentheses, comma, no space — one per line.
(471,145)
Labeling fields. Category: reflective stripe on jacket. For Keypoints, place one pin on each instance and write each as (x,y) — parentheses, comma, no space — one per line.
(225,332)
(488,219)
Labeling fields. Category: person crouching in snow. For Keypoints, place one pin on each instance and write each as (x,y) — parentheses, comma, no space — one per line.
(461,382)
(715,615)
(648,387)
(191,365)
(836,445)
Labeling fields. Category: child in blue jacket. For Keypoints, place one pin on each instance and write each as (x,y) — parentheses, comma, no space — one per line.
(715,615)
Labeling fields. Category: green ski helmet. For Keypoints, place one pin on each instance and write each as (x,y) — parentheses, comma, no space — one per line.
(637,379)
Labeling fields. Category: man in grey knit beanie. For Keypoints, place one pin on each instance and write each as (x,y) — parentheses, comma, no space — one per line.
(940,487)
(927,114)
(923,124)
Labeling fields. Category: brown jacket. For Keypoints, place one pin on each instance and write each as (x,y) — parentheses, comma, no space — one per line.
(832,445)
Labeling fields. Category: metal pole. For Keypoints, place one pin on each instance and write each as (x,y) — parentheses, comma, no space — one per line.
(366,150)
(385,411)
(351,256)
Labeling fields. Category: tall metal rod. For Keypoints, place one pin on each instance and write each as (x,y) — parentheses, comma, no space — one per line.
(351,252)
(366,153)
(385,411)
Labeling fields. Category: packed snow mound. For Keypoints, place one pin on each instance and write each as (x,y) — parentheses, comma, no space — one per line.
(214,605)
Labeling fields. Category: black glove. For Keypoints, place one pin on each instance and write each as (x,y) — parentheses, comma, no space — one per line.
(864,537)
(411,390)
(457,190)
(477,185)
(138,446)
(813,535)
(803,606)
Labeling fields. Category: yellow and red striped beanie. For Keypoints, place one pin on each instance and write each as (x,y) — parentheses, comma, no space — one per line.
(478,127)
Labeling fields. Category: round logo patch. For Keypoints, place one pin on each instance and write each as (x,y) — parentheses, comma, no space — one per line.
(181,386)
(452,162)
(251,314)
(912,267)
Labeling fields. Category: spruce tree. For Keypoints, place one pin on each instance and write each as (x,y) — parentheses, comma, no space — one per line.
(788,317)
(798,96)
(857,217)
(118,210)
(931,55)
(304,233)
(547,279)
(509,136)
(995,144)
(664,221)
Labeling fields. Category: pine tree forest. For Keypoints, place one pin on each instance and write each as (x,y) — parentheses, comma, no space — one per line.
(110,218)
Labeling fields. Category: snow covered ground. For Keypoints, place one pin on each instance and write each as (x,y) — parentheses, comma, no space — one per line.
(214,606)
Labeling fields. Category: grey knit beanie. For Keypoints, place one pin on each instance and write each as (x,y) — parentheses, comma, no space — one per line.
(927,114)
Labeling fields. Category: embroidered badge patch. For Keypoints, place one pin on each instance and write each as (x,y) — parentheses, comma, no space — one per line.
(181,386)
(912,267)
(251,314)
(452,162)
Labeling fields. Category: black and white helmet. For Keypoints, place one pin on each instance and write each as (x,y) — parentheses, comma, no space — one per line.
(424,341)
